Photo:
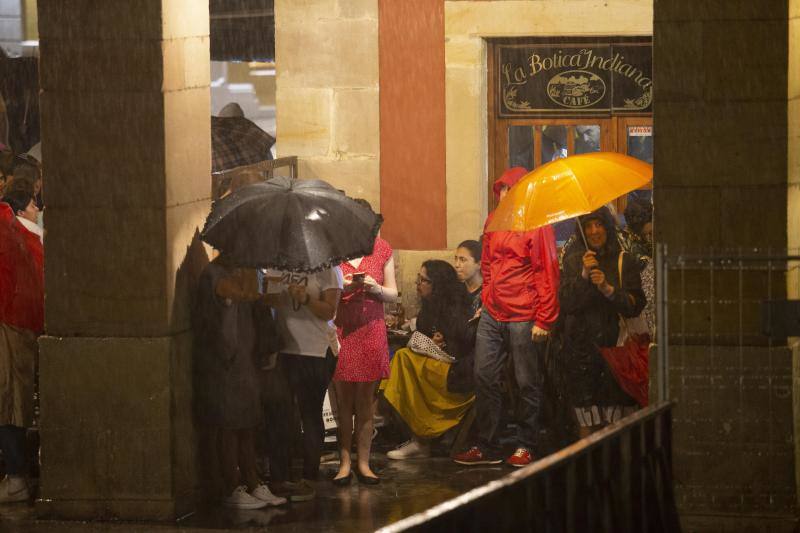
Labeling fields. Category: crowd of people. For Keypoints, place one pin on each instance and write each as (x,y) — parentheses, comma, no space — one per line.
(485,324)
(270,344)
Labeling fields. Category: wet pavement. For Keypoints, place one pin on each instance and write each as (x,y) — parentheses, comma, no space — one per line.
(407,487)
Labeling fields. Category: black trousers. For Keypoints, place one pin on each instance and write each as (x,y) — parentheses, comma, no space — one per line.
(13,446)
(303,379)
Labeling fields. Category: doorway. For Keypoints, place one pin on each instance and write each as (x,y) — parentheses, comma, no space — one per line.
(528,124)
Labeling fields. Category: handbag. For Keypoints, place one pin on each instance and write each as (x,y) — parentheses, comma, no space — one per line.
(424,345)
(629,359)
(351,311)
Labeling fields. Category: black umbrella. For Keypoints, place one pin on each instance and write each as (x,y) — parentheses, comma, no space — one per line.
(298,225)
(237,141)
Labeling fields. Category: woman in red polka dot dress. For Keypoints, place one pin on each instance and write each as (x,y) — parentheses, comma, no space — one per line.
(364,354)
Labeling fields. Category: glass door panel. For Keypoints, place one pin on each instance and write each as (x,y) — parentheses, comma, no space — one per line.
(554,143)
(639,142)
(520,146)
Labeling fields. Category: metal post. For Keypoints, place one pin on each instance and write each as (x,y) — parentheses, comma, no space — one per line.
(662,334)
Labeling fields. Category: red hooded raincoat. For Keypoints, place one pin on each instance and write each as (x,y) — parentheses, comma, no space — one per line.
(520,270)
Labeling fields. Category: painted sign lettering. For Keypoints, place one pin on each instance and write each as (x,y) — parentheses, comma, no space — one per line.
(594,79)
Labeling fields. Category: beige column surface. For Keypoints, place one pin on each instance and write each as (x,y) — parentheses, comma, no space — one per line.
(467,25)
(126,144)
(327,91)
(793,202)
(794,125)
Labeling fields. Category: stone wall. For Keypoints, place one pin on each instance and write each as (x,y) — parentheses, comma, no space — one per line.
(327,91)
(31,20)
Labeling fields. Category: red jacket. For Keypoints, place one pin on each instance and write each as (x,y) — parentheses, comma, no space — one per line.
(520,270)
(21,274)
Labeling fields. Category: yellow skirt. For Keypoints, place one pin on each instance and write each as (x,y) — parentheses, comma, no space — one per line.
(417,389)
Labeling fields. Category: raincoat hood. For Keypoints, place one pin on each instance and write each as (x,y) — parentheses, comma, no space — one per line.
(607,220)
(509,178)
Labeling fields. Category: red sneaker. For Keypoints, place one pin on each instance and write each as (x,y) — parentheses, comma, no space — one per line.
(520,458)
(474,456)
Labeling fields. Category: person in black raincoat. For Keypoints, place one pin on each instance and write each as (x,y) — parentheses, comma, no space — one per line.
(229,325)
(592,301)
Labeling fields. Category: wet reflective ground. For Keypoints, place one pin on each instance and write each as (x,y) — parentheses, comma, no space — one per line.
(407,487)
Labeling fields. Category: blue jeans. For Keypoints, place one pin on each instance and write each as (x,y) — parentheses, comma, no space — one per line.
(13,446)
(496,342)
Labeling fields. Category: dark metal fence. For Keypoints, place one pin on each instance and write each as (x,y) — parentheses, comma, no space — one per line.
(617,480)
(727,341)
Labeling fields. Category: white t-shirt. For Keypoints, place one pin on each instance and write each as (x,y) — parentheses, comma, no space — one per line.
(303,333)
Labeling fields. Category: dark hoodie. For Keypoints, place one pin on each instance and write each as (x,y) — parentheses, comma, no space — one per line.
(589,319)
(520,270)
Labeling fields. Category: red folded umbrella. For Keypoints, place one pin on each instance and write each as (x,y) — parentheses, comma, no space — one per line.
(629,363)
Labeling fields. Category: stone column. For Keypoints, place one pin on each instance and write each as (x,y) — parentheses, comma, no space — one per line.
(722,143)
(126,146)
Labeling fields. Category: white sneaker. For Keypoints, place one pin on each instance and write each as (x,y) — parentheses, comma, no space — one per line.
(263,493)
(14,489)
(410,450)
(239,499)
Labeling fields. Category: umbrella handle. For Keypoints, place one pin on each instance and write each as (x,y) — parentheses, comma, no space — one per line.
(580,228)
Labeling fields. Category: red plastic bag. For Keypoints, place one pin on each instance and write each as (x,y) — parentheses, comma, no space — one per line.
(629,363)
(629,359)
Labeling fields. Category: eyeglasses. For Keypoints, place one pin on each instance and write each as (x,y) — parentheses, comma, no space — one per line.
(421,280)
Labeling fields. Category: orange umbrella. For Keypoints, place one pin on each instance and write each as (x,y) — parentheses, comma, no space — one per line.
(567,188)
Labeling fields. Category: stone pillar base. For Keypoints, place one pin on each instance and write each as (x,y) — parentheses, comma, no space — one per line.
(116,428)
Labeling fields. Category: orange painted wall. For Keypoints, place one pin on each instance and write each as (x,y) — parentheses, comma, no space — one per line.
(412,123)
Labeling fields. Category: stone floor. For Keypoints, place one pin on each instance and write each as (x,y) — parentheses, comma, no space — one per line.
(407,487)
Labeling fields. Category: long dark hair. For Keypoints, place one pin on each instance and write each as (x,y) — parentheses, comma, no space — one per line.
(447,309)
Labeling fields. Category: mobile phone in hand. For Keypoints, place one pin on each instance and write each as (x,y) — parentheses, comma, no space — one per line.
(358,277)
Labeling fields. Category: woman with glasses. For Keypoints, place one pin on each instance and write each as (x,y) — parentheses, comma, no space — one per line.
(417,388)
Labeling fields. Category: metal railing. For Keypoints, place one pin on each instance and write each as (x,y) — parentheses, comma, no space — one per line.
(266,168)
(616,480)
(221,181)
(728,322)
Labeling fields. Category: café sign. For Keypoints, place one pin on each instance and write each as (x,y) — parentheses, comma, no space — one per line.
(597,79)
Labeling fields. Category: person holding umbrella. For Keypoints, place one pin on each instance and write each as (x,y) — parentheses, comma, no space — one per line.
(595,294)
(600,283)
(299,231)
(227,393)
(305,305)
